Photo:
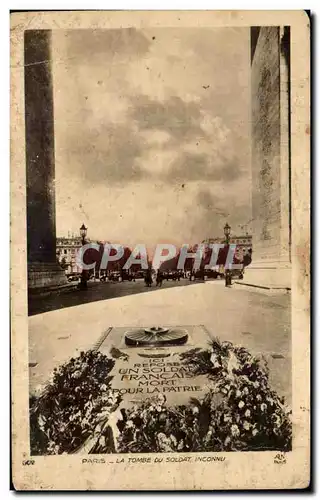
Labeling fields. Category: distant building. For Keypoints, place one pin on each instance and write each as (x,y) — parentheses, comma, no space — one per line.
(66,250)
(244,243)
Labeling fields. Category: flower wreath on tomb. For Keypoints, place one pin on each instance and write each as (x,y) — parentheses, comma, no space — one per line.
(79,412)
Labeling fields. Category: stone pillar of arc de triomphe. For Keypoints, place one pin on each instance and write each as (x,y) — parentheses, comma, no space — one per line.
(43,269)
(270,156)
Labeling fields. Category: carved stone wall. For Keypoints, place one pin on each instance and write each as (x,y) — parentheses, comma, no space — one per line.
(265,85)
(270,152)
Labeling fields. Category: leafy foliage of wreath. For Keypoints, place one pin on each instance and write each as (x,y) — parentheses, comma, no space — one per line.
(74,406)
(240,412)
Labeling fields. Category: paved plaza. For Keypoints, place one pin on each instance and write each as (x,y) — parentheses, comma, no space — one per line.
(72,296)
(245,316)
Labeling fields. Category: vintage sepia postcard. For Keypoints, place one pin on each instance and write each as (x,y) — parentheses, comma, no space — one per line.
(160,247)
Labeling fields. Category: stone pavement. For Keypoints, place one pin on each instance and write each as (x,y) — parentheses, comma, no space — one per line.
(258,321)
(38,304)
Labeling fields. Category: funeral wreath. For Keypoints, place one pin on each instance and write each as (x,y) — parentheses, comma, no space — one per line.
(74,406)
(240,411)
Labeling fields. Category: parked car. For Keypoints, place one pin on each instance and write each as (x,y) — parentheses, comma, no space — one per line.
(237,274)
(125,276)
(138,274)
(171,275)
(115,276)
(213,273)
(199,275)
(216,274)
(73,277)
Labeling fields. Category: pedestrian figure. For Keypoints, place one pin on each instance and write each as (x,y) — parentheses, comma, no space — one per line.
(159,278)
(247,259)
(148,278)
(84,280)
(228,281)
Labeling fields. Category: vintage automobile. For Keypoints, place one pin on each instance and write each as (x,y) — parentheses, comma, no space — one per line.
(73,277)
(220,273)
(199,275)
(137,275)
(171,275)
(237,274)
(125,276)
(114,276)
(217,273)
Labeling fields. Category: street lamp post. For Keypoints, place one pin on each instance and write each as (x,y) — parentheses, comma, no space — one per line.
(84,280)
(227,231)
(83,233)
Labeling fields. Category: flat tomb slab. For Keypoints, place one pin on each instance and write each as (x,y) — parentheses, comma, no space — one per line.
(143,371)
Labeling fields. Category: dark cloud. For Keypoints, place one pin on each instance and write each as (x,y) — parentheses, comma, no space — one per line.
(179,118)
(107,154)
(182,121)
(197,167)
(206,200)
(216,210)
(86,45)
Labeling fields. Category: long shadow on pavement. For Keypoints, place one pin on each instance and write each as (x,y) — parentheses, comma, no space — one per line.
(96,291)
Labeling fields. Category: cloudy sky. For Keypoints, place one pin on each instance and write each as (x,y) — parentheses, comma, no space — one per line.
(152,133)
